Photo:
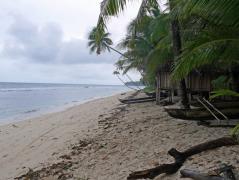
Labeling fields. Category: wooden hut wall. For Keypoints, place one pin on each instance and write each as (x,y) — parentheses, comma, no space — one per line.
(199,83)
(163,83)
(165,80)
(194,81)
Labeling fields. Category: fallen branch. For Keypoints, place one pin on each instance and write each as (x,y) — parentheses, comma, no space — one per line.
(180,158)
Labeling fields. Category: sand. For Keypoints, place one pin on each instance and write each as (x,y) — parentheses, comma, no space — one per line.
(30,143)
(105,140)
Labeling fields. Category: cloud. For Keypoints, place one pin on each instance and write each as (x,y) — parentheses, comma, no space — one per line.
(15,71)
(45,41)
(46,44)
(75,51)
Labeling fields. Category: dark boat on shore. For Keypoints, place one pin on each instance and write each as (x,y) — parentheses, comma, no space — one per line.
(151,94)
(229,109)
(137,100)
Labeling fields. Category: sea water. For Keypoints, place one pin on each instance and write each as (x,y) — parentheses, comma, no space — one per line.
(23,100)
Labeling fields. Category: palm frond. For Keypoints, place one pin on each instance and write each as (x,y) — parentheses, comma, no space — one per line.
(223,92)
(208,47)
(221,12)
(99,41)
(147,7)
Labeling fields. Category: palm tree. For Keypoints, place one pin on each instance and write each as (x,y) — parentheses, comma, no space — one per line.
(136,46)
(99,41)
(147,45)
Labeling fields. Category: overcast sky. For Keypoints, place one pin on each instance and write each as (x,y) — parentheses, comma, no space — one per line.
(46,41)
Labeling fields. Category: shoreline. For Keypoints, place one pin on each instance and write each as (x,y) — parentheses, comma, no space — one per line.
(38,113)
(36,141)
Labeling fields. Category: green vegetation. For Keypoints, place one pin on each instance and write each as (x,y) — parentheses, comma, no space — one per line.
(235,132)
(189,36)
(149,89)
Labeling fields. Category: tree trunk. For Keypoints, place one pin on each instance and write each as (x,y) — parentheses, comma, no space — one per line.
(177,49)
(136,84)
(183,94)
(115,50)
(125,83)
(235,78)
(158,88)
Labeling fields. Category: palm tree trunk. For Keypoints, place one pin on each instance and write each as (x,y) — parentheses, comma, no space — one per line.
(137,86)
(158,88)
(235,78)
(117,51)
(177,49)
(125,83)
(125,57)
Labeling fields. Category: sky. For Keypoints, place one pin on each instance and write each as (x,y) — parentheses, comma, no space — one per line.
(46,41)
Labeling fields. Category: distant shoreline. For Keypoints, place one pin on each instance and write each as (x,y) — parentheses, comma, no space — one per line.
(63,83)
(36,113)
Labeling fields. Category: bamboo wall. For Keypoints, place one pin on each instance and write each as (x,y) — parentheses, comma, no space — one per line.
(199,83)
(164,78)
(195,83)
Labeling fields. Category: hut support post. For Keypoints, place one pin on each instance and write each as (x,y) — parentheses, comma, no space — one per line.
(158,89)
(235,78)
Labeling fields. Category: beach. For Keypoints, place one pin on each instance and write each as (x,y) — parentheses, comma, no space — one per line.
(30,143)
(106,140)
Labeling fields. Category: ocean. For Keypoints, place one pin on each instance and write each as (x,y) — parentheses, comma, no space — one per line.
(24,100)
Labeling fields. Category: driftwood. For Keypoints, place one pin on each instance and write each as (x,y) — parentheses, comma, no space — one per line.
(225,172)
(180,158)
(199,176)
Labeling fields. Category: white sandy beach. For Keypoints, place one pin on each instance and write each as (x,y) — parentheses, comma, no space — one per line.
(33,142)
(105,140)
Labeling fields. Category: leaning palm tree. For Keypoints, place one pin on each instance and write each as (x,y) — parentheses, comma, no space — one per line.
(99,41)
